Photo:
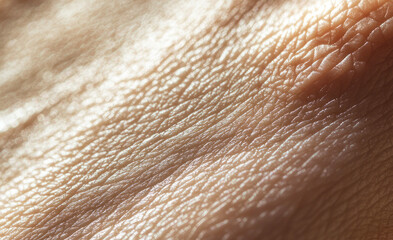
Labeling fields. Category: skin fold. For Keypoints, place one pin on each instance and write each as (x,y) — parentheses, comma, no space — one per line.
(145,119)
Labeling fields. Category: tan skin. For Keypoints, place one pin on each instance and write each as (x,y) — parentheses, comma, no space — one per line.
(196,119)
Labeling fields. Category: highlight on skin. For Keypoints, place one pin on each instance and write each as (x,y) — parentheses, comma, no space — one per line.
(147,119)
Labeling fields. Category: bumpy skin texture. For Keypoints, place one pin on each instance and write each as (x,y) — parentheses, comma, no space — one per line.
(201,119)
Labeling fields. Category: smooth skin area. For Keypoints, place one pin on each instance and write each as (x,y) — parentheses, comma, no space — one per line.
(146,119)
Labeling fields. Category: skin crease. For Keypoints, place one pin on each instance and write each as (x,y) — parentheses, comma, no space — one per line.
(196,119)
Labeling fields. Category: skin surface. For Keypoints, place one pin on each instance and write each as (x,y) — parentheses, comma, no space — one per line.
(203,119)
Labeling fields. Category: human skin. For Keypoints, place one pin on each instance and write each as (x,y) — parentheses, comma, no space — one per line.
(202,119)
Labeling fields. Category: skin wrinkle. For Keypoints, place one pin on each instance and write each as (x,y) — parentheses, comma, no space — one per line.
(220,111)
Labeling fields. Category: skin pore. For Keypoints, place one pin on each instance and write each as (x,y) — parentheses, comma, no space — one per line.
(145,119)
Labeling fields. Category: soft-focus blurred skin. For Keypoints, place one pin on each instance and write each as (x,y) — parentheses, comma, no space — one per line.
(145,119)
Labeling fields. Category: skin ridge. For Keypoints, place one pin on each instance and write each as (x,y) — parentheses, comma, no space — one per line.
(297,68)
(350,55)
(307,82)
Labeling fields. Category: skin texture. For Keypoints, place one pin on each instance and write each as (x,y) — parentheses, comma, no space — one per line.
(196,119)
